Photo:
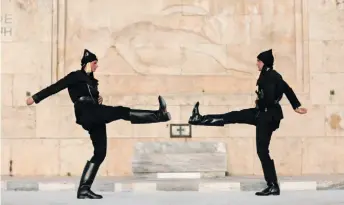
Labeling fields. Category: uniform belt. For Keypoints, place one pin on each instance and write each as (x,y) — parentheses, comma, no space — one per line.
(265,108)
(85,99)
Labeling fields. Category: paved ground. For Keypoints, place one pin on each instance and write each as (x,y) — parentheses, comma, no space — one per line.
(134,184)
(333,197)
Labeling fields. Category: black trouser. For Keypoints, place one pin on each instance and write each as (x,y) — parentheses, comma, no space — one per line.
(264,130)
(93,118)
(97,128)
(99,141)
(102,115)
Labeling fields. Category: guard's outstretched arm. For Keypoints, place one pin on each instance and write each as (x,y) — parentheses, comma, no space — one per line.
(288,91)
(53,89)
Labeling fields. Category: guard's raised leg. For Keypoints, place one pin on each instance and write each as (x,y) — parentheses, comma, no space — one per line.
(244,116)
(208,120)
(137,116)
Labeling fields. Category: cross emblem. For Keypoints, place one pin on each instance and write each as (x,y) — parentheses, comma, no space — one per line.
(180,130)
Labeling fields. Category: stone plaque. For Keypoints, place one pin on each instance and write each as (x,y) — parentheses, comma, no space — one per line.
(180,130)
(173,157)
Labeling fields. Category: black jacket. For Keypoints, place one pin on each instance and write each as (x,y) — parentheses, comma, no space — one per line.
(271,88)
(79,84)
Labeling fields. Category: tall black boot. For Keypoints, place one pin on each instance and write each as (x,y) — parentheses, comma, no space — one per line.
(86,181)
(206,120)
(150,116)
(271,179)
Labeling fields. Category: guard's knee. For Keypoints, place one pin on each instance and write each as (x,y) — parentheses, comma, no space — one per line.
(230,117)
(124,113)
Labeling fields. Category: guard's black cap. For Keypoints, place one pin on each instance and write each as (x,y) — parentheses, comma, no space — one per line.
(266,57)
(88,57)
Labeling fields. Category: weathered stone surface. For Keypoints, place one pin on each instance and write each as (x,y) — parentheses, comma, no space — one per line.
(180,163)
(326,25)
(314,160)
(166,85)
(119,155)
(286,153)
(15,128)
(23,84)
(236,146)
(72,163)
(186,51)
(232,7)
(241,155)
(297,125)
(339,154)
(35,13)
(5,156)
(235,99)
(58,122)
(179,157)
(120,129)
(325,55)
(189,99)
(320,5)
(186,99)
(178,147)
(41,157)
(177,46)
(321,86)
(196,8)
(204,59)
(330,185)
(26,58)
(6,90)
(334,120)
(177,186)
(22,186)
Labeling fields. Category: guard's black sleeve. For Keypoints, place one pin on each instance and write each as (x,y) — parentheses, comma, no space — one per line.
(54,88)
(289,92)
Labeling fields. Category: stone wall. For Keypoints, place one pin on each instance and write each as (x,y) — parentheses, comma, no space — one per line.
(186,51)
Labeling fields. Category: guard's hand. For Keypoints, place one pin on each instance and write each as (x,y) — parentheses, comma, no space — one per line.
(301,110)
(100,100)
(30,101)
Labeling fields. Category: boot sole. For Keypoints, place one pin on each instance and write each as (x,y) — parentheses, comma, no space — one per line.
(273,194)
(84,197)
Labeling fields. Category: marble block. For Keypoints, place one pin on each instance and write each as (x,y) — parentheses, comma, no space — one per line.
(173,157)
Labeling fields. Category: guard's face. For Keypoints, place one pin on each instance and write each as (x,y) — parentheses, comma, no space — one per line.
(94,66)
(260,64)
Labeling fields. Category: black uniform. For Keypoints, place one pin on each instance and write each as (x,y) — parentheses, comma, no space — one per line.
(93,117)
(266,116)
